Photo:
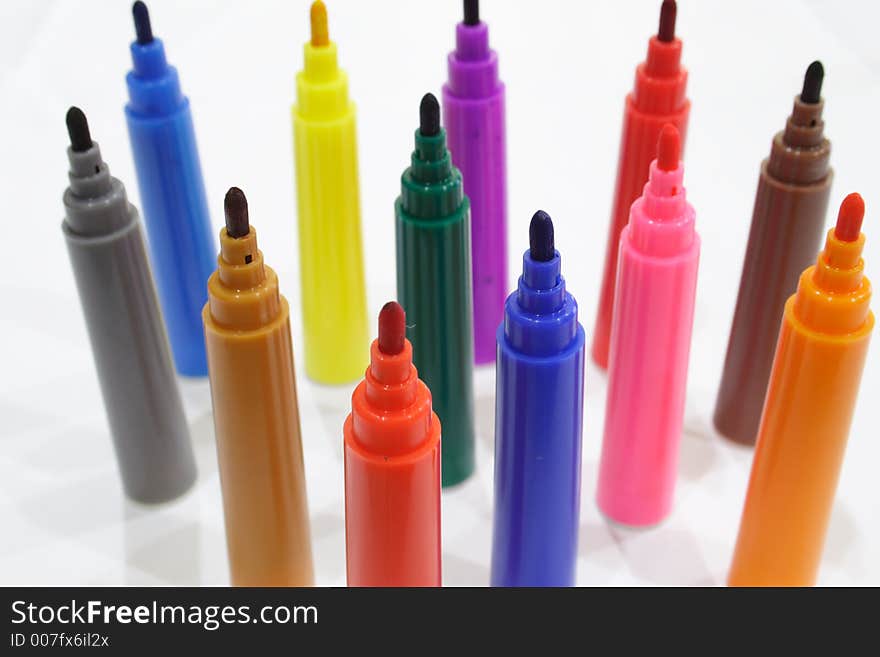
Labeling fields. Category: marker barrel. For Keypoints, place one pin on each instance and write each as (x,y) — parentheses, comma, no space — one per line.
(814,382)
(392,477)
(172,192)
(539,426)
(473,107)
(333,293)
(650,345)
(256,420)
(434,286)
(133,361)
(787,227)
(658,98)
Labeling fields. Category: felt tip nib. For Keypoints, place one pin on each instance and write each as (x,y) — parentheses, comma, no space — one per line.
(812,91)
(392,328)
(666,31)
(541,242)
(78,129)
(142,26)
(236,209)
(429,116)
(849,219)
(471,12)
(318,16)
(668,148)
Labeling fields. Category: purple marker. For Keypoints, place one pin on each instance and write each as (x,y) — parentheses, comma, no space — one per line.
(473,108)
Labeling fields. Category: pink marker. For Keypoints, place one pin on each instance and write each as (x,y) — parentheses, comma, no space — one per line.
(650,343)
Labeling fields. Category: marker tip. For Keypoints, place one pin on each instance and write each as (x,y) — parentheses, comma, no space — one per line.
(236,209)
(471,12)
(78,130)
(849,219)
(668,148)
(812,89)
(392,328)
(541,239)
(666,31)
(429,115)
(318,17)
(142,26)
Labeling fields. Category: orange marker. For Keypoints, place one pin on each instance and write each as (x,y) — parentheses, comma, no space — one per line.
(807,413)
(392,468)
(256,415)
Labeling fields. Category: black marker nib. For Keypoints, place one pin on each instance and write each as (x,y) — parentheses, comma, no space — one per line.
(429,116)
(78,129)
(142,23)
(471,12)
(666,32)
(541,243)
(236,209)
(812,91)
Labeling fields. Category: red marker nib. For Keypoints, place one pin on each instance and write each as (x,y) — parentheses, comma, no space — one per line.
(668,148)
(392,328)
(849,219)
(666,32)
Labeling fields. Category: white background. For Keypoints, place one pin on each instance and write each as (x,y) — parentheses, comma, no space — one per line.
(567,66)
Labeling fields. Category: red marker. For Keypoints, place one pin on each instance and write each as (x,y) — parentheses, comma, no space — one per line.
(657,98)
(392,468)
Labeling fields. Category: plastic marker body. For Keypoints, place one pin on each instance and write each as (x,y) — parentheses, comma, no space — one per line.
(132,358)
(256,414)
(392,468)
(802,437)
(172,191)
(658,98)
(650,344)
(331,256)
(539,423)
(787,226)
(473,110)
(434,285)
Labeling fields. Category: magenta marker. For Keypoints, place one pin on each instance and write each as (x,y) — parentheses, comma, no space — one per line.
(650,344)
(473,108)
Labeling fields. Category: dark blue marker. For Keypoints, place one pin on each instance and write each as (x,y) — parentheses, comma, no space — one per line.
(172,191)
(538,424)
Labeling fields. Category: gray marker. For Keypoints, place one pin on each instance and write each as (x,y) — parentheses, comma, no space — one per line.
(131,352)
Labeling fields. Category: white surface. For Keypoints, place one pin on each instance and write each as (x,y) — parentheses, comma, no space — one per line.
(567,66)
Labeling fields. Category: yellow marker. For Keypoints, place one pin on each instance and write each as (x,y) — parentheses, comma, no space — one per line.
(330,252)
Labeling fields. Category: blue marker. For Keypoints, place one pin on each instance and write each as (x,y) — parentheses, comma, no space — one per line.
(538,424)
(172,194)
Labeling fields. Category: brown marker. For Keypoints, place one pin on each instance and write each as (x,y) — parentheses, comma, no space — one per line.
(788,223)
(256,414)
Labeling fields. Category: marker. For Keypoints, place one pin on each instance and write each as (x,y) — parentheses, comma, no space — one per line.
(650,344)
(334,306)
(163,144)
(473,104)
(434,285)
(659,97)
(813,387)
(392,468)
(788,222)
(129,345)
(539,423)
(256,413)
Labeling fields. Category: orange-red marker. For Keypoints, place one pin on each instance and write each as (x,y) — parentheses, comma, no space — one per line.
(392,468)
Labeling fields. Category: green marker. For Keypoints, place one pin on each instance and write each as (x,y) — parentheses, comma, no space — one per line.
(434,287)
